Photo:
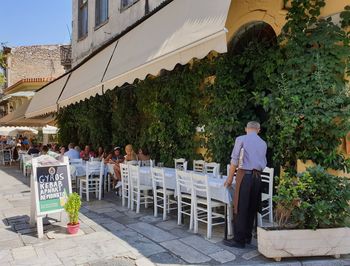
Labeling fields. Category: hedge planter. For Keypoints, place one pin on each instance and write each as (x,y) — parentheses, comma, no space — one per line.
(279,244)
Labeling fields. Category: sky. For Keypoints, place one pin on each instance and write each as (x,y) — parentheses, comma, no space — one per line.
(30,22)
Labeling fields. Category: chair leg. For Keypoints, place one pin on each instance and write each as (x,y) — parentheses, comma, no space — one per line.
(87,189)
(138,201)
(123,194)
(164,206)
(259,220)
(129,196)
(195,218)
(209,222)
(81,189)
(155,203)
(192,214)
(179,208)
(132,200)
(270,211)
(146,198)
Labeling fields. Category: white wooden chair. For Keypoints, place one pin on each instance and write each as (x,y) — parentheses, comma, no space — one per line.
(184,196)
(102,177)
(139,193)
(27,164)
(212,168)
(124,172)
(91,181)
(161,195)
(198,166)
(267,178)
(181,164)
(204,205)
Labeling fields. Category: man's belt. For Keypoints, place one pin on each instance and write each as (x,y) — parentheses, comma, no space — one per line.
(249,172)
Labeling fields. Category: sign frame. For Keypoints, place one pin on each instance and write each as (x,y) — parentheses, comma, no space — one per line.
(36,215)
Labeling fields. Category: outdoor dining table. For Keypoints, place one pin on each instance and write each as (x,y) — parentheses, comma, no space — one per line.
(218,191)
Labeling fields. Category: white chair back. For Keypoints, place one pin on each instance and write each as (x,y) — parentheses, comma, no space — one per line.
(212,168)
(181,164)
(76,161)
(145,163)
(200,186)
(124,173)
(267,179)
(133,162)
(93,159)
(93,168)
(134,175)
(198,166)
(183,182)
(158,178)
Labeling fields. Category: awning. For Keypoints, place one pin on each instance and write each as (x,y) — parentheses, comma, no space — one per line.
(177,33)
(180,31)
(86,80)
(13,131)
(18,113)
(50,129)
(45,100)
(26,94)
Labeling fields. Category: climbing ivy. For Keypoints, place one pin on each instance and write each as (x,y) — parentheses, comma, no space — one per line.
(294,85)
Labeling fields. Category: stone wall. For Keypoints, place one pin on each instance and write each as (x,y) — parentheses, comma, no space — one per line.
(37,61)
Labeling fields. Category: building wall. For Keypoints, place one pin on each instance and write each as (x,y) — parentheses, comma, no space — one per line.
(272,12)
(118,21)
(37,61)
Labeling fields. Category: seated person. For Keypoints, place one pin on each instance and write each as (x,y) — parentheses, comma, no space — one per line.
(87,153)
(33,149)
(130,156)
(72,153)
(144,157)
(100,153)
(44,150)
(115,158)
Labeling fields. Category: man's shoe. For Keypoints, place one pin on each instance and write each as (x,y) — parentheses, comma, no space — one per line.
(233,243)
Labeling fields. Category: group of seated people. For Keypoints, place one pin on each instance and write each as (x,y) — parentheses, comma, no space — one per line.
(114,157)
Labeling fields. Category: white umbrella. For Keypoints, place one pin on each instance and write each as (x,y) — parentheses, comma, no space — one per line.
(50,130)
(13,131)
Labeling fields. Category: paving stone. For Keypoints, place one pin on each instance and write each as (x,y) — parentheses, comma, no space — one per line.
(181,232)
(114,262)
(166,258)
(114,226)
(104,210)
(88,230)
(223,256)
(150,219)
(201,244)
(5,256)
(32,239)
(152,232)
(133,214)
(23,253)
(6,234)
(168,225)
(251,254)
(187,253)
(147,247)
(114,214)
(126,220)
(144,262)
(323,262)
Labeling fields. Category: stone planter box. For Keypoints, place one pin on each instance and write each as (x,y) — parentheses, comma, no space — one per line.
(279,244)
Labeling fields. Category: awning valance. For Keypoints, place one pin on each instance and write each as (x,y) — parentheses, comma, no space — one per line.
(177,33)
(86,80)
(45,100)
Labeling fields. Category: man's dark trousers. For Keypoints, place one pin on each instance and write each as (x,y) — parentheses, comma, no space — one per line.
(248,205)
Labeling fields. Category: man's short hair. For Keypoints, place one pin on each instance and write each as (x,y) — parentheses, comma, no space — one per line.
(253,124)
(71,145)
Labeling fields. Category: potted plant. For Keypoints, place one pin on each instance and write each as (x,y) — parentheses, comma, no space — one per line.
(72,207)
(312,211)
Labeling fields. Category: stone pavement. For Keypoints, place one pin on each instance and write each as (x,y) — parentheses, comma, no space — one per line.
(112,235)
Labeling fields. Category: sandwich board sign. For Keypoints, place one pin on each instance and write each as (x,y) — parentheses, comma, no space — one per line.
(50,186)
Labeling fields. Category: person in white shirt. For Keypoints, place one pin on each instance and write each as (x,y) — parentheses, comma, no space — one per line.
(72,153)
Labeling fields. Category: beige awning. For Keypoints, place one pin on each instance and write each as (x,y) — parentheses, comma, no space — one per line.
(18,113)
(17,118)
(180,31)
(86,80)
(45,100)
(177,33)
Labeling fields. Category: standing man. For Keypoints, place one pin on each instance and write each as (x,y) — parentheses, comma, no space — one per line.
(247,197)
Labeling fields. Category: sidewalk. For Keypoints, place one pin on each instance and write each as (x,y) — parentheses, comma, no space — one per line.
(112,235)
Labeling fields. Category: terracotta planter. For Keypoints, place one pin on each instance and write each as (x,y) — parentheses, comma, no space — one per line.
(279,244)
(73,229)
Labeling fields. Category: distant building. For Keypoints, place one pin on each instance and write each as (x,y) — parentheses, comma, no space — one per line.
(27,69)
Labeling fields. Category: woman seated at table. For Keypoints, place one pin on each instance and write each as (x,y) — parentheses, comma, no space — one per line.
(129,157)
(87,153)
(100,153)
(144,157)
(115,158)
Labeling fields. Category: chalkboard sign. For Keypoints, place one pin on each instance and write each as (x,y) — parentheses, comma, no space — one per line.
(52,185)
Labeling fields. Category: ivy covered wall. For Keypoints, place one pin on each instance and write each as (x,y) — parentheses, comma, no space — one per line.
(293,84)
